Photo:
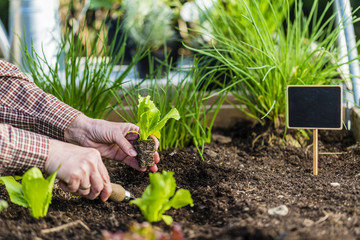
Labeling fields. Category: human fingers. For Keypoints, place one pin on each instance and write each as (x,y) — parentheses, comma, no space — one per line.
(156,142)
(97,185)
(153,168)
(156,157)
(126,146)
(107,189)
(71,183)
(132,136)
(83,191)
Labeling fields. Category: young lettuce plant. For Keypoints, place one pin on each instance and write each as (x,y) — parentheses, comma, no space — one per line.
(160,196)
(34,192)
(150,122)
(3,204)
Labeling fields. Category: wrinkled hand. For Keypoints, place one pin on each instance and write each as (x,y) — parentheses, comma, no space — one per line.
(111,139)
(82,170)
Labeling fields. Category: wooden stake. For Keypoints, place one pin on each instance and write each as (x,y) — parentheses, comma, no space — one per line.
(315,151)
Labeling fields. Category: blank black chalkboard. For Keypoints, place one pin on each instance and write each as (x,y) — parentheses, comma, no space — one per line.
(314,107)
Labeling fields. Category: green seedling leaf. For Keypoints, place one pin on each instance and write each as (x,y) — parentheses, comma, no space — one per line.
(14,189)
(38,191)
(160,196)
(33,192)
(149,118)
(3,204)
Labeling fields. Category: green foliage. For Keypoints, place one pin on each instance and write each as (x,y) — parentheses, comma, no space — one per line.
(264,58)
(3,204)
(149,22)
(106,4)
(160,196)
(188,92)
(272,13)
(149,118)
(34,192)
(83,78)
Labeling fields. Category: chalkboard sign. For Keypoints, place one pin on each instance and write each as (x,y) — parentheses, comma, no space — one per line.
(313,107)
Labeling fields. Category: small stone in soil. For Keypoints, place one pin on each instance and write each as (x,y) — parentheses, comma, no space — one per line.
(281,210)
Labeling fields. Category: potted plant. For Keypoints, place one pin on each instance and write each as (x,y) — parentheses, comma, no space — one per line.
(150,25)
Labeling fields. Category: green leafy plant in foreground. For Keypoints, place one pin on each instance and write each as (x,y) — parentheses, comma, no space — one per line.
(34,192)
(149,118)
(188,92)
(160,196)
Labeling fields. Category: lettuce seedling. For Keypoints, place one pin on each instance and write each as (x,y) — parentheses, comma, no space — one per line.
(3,204)
(149,118)
(33,192)
(160,196)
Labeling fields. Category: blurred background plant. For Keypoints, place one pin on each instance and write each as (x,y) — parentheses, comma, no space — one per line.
(83,79)
(264,58)
(149,22)
(152,25)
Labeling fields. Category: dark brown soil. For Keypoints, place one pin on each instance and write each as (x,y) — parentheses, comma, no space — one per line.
(233,191)
(145,152)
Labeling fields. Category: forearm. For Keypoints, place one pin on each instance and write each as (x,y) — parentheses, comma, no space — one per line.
(20,150)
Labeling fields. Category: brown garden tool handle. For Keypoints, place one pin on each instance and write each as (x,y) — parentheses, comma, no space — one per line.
(118,193)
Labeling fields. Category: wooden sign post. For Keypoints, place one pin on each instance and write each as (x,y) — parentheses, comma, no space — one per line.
(314,107)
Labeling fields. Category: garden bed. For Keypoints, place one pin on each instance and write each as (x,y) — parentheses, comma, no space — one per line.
(233,190)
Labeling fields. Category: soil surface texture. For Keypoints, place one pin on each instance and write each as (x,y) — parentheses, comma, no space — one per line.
(145,152)
(250,186)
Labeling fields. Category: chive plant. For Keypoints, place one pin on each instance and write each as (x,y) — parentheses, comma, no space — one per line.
(189,95)
(264,58)
(83,78)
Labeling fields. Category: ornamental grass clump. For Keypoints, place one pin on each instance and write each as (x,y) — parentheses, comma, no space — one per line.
(264,58)
(83,79)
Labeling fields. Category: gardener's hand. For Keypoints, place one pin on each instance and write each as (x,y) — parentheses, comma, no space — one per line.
(82,171)
(111,139)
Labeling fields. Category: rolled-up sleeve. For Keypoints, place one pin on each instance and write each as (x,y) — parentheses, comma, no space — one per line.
(28,118)
(21,150)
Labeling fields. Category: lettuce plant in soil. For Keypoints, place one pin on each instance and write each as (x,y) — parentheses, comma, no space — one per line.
(34,192)
(264,58)
(198,106)
(150,123)
(160,196)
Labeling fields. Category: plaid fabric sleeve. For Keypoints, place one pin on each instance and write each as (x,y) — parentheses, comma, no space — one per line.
(21,150)
(24,105)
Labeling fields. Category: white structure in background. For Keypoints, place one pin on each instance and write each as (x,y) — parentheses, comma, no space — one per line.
(36,23)
(348,53)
